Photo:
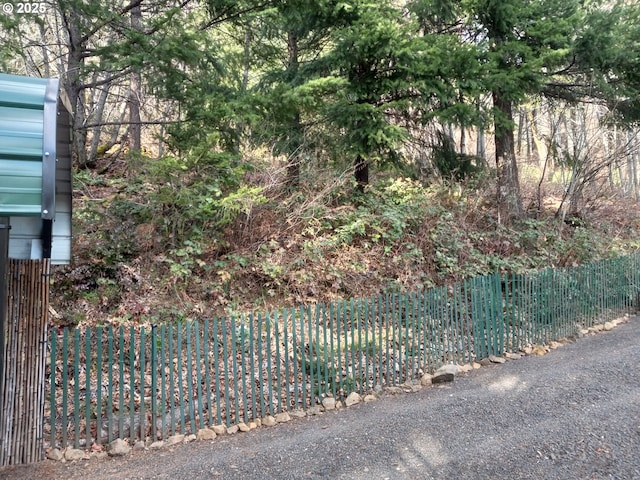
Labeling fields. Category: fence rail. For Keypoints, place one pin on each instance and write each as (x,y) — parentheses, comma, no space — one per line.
(143,382)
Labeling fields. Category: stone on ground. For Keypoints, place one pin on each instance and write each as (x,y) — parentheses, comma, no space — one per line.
(72,454)
(446,373)
(353,399)
(496,359)
(54,454)
(329,403)
(283,417)
(206,434)
(119,448)
(268,421)
(538,350)
(219,429)
(175,439)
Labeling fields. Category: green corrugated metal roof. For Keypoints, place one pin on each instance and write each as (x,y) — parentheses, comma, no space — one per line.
(35,168)
(22,92)
(22,139)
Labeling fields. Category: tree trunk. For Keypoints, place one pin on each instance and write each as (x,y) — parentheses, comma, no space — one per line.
(135,127)
(97,130)
(45,56)
(521,130)
(537,149)
(361,172)
(293,162)
(295,132)
(248,36)
(631,149)
(509,197)
(481,149)
(74,89)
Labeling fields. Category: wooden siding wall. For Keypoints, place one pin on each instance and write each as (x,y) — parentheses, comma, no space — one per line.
(22,395)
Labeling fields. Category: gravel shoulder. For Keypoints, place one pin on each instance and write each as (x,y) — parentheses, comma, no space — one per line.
(571,414)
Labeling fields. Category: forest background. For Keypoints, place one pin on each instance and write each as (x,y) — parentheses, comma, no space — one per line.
(236,156)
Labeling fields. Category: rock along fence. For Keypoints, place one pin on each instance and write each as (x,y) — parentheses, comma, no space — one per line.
(156,382)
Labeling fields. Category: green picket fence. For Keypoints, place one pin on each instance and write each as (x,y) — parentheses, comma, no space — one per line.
(142,382)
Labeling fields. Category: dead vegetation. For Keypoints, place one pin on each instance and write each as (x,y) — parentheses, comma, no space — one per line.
(139,258)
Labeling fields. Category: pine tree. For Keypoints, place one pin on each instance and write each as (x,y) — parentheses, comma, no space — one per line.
(386,69)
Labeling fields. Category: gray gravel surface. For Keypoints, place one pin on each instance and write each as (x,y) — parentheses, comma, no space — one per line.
(571,414)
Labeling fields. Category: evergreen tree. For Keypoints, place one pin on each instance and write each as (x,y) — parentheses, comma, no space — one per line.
(566,49)
(522,44)
(289,37)
(608,50)
(384,70)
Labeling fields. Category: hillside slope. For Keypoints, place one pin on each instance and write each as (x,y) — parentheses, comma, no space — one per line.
(143,255)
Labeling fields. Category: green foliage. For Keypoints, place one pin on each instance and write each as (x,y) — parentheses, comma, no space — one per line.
(243,338)
(111,224)
(191,198)
(436,14)
(319,363)
(383,215)
(452,165)
(607,47)
(242,201)
(385,64)
(182,261)
(195,213)
(354,72)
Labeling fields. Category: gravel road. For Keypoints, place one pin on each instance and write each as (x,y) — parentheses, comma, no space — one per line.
(571,414)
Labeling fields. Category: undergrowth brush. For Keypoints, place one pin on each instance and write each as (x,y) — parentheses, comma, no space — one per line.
(150,249)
